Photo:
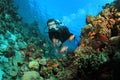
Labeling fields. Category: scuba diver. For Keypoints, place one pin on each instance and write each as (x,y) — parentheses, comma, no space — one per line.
(59,35)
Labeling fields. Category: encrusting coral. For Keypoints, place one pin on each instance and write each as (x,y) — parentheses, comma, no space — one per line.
(31,75)
(34,65)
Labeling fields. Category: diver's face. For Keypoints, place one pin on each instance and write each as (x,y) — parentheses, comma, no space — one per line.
(52,25)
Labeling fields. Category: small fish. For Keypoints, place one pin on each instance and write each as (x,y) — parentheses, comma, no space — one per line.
(44,44)
(103,38)
(38,59)
(55,65)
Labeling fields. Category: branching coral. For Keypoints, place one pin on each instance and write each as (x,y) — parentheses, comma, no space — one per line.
(93,61)
(30,49)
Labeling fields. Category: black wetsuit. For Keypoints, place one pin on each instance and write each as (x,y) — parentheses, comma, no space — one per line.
(62,33)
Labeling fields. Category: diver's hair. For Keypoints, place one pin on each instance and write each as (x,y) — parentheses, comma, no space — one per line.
(51,20)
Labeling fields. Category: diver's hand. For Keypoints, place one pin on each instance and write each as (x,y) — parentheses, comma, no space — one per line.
(56,42)
(59,43)
(63,49)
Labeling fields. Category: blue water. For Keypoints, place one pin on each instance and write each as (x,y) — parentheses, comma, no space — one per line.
(71,12)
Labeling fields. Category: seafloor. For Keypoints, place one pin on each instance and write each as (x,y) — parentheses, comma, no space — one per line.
(26,55)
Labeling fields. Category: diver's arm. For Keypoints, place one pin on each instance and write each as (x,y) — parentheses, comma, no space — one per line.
(71,37)
(66,31)
(54,41)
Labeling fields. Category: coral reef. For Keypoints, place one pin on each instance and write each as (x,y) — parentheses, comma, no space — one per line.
(99,44)
(17,49)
